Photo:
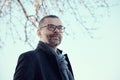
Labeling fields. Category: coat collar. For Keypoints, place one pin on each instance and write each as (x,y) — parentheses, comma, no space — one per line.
(47,48)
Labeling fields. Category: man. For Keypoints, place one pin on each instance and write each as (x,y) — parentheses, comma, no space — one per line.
(46,62)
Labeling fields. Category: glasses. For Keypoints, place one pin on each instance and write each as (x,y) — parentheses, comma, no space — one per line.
(52,27)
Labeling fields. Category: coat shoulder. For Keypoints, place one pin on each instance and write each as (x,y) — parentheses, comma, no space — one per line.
(32,55)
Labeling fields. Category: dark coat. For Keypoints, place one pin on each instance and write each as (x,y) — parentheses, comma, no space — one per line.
(38,64)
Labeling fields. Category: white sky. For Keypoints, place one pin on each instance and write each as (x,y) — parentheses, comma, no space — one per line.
(91,59)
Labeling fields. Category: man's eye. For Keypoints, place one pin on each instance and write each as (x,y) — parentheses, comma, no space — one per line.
(59,27)
(51,26)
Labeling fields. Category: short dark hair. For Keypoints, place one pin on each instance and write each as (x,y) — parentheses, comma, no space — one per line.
(48,16)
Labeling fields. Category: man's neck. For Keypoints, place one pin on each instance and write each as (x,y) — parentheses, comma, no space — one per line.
(53,46)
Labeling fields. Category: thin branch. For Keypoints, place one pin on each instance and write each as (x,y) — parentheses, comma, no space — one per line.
(87,7)
(33,20)
(25,31)
(16,31)
(37,6)
(58,6)
(44,7)
(1,42)
(107,6)
(24,11)
(29,43)
(1,7)
(79,20)
(27,16)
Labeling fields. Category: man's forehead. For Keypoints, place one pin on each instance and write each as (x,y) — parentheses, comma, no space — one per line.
(52,21)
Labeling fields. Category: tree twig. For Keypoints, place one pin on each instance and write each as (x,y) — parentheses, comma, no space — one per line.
(1,7)
(24,11)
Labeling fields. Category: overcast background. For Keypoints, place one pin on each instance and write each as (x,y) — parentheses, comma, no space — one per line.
(95,58)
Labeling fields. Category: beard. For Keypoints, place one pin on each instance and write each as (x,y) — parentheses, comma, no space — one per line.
(54,39)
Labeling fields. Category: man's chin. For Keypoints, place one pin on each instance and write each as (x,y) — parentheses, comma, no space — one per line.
(55,42)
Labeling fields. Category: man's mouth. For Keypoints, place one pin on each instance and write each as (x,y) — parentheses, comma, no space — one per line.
(56,37)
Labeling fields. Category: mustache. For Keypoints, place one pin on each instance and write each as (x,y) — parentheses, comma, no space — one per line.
(55,34)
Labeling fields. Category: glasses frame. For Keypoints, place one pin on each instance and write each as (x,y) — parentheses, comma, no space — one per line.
(52,27)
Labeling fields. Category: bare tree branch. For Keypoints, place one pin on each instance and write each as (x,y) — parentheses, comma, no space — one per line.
(39,8)
(1,7)
(24,11)
(25,31)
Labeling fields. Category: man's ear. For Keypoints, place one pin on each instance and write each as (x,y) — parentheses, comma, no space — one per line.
(38,32)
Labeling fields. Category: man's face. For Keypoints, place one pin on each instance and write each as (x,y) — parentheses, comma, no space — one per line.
(51,37)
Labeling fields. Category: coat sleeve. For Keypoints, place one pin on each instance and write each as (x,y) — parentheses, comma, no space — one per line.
(25,69)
